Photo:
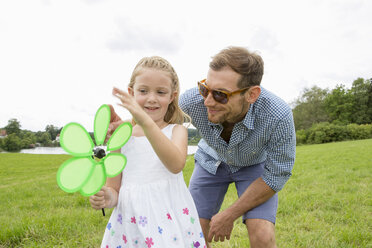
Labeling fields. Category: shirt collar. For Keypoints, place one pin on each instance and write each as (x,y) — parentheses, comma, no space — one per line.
(214,124)
(249,117)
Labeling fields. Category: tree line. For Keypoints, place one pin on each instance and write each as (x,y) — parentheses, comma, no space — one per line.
(324,115)
(320,116)
(18,139)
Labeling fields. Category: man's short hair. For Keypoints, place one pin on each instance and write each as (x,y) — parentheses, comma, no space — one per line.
(248,64)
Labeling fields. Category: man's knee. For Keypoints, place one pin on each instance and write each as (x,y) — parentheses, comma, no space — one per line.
(262,239)
(261,233)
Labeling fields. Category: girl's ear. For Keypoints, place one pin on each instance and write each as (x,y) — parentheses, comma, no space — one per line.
(252,94)
(130,91)
(173,96)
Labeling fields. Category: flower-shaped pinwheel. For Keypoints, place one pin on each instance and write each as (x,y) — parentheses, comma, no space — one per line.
(83,173)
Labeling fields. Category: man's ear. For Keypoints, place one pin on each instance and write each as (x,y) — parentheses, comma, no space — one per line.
(252,94)
(130,91)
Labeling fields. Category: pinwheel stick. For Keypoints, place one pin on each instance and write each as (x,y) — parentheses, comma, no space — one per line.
(99,153)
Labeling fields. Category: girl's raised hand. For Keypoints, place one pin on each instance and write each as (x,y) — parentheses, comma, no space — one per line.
(128,102)
(126,99)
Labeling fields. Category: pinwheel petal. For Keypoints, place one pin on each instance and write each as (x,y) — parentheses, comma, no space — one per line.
(76,141)
(95,181)
(114,164)
(101,123)
(73,173)
(120,136)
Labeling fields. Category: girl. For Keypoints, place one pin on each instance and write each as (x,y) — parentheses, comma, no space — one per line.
(153,207)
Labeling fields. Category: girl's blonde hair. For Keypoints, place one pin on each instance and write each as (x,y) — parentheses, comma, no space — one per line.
(174,113)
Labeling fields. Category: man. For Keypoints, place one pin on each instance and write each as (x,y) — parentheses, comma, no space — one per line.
(248,138)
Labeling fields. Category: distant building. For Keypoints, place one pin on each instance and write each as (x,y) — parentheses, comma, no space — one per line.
(3,133)
(57,138)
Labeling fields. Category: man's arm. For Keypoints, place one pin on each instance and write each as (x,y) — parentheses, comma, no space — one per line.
(222,223)
(279,163)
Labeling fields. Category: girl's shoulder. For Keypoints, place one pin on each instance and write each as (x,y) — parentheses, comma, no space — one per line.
(178,129)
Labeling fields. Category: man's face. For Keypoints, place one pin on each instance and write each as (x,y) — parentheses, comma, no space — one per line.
(236,107)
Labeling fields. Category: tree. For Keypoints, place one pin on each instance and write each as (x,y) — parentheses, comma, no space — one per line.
(26,143)
(12,143)
(309,108)
(361,93)
(13,126)
(45,139)
(193,136)
(369,103)
(27,137)
(339,105)
(53,131)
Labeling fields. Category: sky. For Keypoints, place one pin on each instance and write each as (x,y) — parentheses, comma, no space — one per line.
(60,59)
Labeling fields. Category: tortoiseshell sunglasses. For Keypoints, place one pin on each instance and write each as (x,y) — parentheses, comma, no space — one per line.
(219,96)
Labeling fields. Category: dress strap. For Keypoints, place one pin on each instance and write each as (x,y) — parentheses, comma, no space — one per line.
(168,130)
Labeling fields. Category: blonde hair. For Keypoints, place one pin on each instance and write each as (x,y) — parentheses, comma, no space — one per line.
(174,114)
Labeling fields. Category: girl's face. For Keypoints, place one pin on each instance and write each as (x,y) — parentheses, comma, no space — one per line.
(153,92)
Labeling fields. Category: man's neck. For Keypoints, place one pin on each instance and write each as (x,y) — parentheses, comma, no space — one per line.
(227,131)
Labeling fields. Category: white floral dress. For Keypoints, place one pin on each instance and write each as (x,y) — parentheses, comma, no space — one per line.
(155,208)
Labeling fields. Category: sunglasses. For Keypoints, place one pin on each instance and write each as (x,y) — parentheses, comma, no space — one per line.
(219,96)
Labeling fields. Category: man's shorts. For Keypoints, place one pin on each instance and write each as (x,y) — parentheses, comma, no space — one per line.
(208,191)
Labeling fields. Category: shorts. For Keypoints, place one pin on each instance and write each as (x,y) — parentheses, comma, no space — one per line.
(208,190)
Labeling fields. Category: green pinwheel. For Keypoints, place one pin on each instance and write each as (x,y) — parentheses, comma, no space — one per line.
(82,172)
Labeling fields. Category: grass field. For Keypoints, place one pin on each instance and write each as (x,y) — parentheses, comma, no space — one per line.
(326,203)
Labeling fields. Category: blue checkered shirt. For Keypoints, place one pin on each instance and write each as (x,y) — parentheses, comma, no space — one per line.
(265,134)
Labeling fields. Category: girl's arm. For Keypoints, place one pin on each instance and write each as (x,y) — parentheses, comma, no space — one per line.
(113,187)
(171,152)
(108,196)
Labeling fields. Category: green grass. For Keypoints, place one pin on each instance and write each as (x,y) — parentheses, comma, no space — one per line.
(326,203)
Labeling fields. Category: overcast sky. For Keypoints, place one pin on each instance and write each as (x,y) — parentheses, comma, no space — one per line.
(59,59)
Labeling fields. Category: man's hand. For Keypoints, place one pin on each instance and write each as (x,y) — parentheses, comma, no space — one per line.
(220,227)
(115,121)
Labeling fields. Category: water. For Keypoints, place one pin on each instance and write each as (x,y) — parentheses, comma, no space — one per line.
(44,150)
(59,150)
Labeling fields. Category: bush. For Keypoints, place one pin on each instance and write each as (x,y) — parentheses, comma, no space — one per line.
(320,133)
(301,136)
(330,132)
(359,131)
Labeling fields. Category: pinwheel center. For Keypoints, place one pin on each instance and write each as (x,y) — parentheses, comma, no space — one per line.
(99,152)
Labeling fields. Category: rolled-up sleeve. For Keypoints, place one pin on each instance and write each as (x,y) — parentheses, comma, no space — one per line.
(281,153)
